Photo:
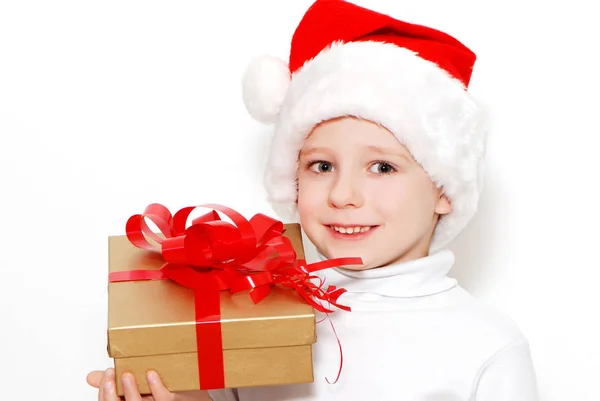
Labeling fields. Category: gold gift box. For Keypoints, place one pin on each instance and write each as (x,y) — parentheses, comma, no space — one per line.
(151,325)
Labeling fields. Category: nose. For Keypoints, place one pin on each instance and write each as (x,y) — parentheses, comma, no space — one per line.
(345,192)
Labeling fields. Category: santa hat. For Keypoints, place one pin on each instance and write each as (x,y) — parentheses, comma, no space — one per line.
(346,60)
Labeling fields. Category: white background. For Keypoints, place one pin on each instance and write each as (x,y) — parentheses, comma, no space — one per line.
(107,106)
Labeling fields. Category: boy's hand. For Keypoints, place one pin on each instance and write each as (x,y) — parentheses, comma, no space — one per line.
(105,382)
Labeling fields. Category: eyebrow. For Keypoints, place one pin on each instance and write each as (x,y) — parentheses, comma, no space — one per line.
(387,152)
(310,151)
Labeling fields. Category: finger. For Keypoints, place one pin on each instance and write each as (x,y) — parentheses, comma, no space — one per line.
(158,389)
(148,398)
(109,386)
(130,388)
(102,384)
(101,388)
(94,378)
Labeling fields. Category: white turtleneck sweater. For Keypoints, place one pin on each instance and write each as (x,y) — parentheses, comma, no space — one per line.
(413,335)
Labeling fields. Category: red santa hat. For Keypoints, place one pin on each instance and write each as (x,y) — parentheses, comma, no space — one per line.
(346,60)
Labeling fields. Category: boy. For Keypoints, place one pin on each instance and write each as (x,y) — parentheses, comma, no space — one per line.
(378,151)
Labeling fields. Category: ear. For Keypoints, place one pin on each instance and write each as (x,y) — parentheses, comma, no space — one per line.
(443,204)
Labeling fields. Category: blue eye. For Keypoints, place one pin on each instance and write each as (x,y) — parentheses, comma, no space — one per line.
(382,168)
(321,167)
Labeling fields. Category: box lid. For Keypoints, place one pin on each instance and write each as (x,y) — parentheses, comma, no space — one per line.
(158,317)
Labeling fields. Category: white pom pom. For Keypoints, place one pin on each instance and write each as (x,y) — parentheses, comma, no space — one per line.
(264,86)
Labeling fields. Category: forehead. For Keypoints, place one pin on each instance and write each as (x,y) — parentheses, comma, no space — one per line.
(349,133)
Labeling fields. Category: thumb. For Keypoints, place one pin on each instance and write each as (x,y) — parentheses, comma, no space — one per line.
(95,378)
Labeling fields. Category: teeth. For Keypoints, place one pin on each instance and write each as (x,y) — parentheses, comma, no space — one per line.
(351,230)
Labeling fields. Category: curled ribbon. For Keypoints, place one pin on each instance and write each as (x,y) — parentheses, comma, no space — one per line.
(212,255)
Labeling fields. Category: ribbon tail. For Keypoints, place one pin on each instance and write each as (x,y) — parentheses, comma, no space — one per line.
(330,263)
(341,353)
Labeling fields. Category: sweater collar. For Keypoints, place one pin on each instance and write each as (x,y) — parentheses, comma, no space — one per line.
(414,278)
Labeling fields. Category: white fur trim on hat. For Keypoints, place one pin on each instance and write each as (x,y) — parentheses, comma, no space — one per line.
(429,111)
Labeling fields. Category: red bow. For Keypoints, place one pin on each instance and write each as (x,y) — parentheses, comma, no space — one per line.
(252,256)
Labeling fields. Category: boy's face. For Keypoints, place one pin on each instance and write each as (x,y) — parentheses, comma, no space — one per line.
(361,194)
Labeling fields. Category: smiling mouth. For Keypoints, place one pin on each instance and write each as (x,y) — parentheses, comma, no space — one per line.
(351,230)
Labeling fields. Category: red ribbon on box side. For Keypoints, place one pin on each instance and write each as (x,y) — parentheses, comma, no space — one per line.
(212,255)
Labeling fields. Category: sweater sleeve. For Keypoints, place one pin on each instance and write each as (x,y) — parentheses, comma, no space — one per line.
(508,376)
(223,395)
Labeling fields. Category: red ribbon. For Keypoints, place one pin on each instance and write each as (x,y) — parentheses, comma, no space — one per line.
(212,255)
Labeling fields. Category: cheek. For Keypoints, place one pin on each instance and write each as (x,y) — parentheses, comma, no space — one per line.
(405,199)
(310,202)
(393,204)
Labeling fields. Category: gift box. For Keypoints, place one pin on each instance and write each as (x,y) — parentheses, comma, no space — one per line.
(202,326)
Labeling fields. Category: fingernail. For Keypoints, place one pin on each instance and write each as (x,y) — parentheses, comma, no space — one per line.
(151,377)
